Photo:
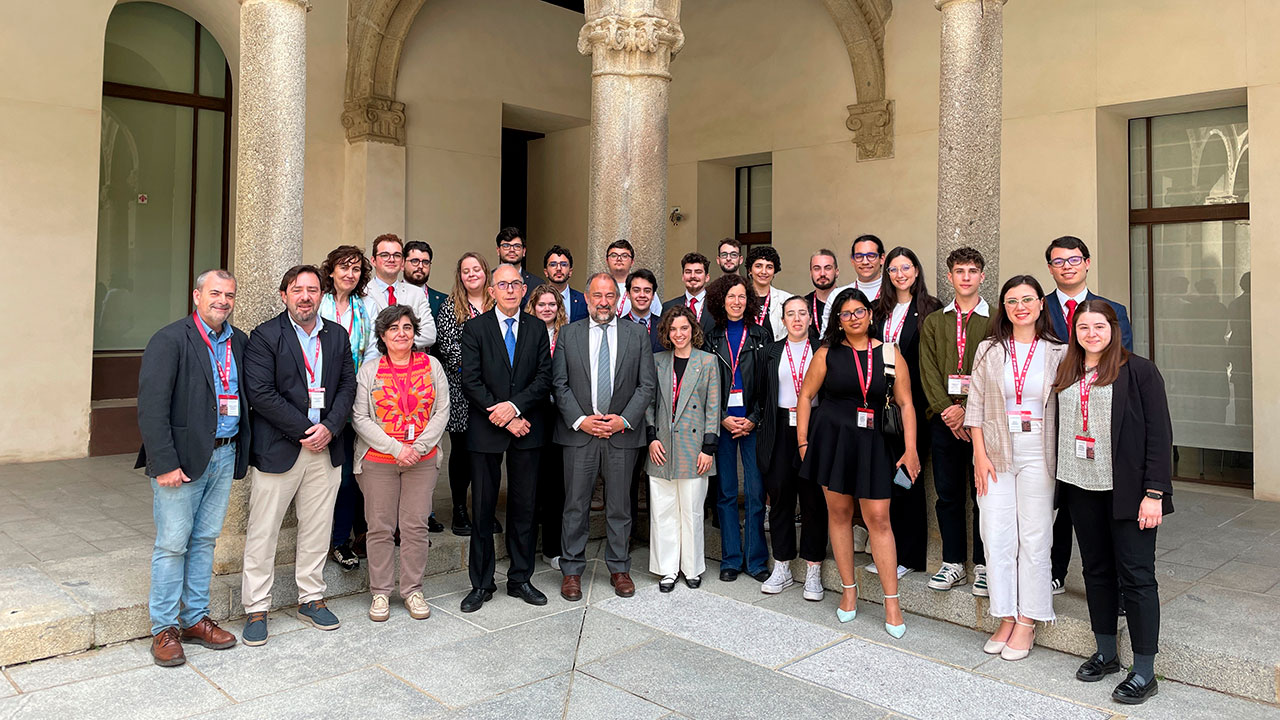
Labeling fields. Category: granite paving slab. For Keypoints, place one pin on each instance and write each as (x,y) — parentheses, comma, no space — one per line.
(80,666)
(141,694)
(505,611)
(604,634)
(39,618)
(543,699)
(114,587)
(1194,647)
(1244,576)
(590,699)
(366,693)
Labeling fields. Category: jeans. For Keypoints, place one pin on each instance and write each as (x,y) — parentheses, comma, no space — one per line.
(188,521)
(747,540)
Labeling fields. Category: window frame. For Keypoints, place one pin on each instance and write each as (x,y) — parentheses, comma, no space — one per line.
(748,239)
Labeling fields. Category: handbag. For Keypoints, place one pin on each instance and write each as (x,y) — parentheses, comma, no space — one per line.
(892,414)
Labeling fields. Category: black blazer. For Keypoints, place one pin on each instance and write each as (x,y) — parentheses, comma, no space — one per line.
(1141,438)
(751,364)
(767,433)
(707,322)
(909,346)
(488,379)
(178,401)
(275,379)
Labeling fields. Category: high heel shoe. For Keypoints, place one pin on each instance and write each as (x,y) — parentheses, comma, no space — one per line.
(896,631)
(993,647)
(1009,653)
(845,616)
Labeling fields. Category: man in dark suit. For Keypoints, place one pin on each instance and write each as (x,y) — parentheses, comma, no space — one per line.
(417,271)
(511,250)
(557,263)
(695,269)
(506,370)
(301,385)
(1068,260)
(642,288)
(604,378)
(190,402)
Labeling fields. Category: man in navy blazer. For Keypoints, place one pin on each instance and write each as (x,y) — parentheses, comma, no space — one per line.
(557,263)
(301,384)
(695,270)
(642,289)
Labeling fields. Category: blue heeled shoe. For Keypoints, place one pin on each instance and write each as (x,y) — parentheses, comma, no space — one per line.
(896,631)
(845,616)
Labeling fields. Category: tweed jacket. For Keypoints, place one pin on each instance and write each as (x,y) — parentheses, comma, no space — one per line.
(697,414)
(986,407)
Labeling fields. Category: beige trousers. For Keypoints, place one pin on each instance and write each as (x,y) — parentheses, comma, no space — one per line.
(312,486)
(397,497)
(675,526)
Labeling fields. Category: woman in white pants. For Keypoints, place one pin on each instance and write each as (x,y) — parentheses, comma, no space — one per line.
(683,425)
(1014,428)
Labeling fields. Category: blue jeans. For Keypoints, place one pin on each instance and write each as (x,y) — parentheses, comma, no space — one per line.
(749,540)
(188,521)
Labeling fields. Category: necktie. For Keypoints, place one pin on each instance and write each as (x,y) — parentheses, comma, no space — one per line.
(510,338)
(391,295)
(604,381)
(1071,315)
(693,307)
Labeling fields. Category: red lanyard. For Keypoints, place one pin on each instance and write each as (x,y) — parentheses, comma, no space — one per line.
(1020,380)
(224,371)
(863,381)
(798,378)
(675,389)
(817,323)
(310,371)
(553,347)
(897,333)
(734,358)
(403,386)
(764,310)
(962,336)
(1085,389)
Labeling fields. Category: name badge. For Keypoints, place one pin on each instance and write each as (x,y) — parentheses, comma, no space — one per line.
(791,417)
(735,398)
(229,405)
(866,418)
(1084,447)
(408,433)
(317,398)
(1022,422)
(958,384)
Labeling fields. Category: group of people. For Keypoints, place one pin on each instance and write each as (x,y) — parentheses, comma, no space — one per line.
(830,401)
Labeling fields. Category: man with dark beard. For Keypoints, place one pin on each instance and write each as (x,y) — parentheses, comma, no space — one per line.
(824,270)
(417,271)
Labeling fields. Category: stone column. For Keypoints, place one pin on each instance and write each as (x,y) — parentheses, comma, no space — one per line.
(969,135)
(631,43)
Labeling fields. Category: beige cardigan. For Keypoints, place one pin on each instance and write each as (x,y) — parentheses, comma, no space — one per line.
(369,432)
(986,407)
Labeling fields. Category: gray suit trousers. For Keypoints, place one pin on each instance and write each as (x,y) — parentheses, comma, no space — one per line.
(582,466)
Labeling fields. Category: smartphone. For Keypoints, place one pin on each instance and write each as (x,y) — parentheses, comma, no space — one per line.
(901,479)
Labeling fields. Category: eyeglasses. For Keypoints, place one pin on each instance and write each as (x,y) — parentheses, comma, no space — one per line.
(619,256)
(510,246)
(388,257)
(730,255)
(1072,261)
(858,313)
(798,313)
(865,257)
(901,270)
(416,262)
(1015,302)
(556,264)
(505,285)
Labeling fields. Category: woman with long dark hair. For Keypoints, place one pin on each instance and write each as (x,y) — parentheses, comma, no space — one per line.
(1013,424)
(1115,444)
(903,305)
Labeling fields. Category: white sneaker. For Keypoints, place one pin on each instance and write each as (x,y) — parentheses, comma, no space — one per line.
(902,571)
(554,562)
(871,568)
(980,581)
(860,538)
(813,583)
(948,576)
(1058,587)
(780,579)
(380,608)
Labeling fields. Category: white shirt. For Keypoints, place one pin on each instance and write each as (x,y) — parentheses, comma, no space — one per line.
(376,300)
(1062,299)
(982,307)
(870,289)
(697,307)
(1033,388)
(801,356)
(624,301)
(896,320)
(502,322)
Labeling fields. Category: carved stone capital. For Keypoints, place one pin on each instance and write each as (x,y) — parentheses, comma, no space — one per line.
(610,39)
(374,118)
(872,126)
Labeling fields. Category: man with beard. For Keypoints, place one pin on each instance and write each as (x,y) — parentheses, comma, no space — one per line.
(824,270)
(558,265)
(417,271)
(511,251)
(694,271)
(729,256)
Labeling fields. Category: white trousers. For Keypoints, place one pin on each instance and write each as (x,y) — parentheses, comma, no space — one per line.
(675,526)
(1017,532)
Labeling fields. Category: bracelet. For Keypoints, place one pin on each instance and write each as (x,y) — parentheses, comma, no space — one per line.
(1154,495)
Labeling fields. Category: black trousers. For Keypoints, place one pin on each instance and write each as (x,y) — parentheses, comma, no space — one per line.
(953,479)
(784,486)
(909,512)
(551,498)
(459,468)
(348,509)
(522,493)
(1112,550)
(638,477)
(1061,556)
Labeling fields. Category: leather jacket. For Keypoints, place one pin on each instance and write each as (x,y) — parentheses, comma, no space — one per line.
(751,363)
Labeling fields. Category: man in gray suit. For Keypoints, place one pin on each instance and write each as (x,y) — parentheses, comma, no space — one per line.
(603,379)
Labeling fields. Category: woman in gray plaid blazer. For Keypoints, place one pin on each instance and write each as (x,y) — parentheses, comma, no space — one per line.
(683,424)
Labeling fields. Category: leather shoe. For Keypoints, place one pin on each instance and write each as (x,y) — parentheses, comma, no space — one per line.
(434,525)
(207,633)
(622,585)
(1094,669)
(526,592)
(693,582)
(729,574)
(1130,692)
(571,588)
(166,649)
(461,523)
(476,599)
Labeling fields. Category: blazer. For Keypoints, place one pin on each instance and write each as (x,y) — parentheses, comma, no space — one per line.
(1060,322)
(750,363)
(435,299)
(909,346)
(773,322)
(369,432)
(275,377)
(488,378)
(705,319)
(634,383)
(178,401)
(767,433)
(531,281)
(577,306)
(655,343)
(986,408)
(697,414)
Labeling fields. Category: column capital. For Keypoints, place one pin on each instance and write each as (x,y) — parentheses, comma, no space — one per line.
(611,38)
(374,118)
(305,4)
(940,4)
(872,126)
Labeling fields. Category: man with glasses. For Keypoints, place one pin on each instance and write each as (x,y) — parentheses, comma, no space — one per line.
(729,256)
(824,270)
(417,271)
(867,255)
(558,264)
(386,290)
(619,257)
(511,250)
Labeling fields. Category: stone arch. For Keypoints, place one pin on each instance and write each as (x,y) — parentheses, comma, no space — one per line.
(861,24)
(376,31)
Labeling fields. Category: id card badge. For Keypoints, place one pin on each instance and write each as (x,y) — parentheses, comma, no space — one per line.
(958,384)
(1020,421)
(866,418)
(316,396)
(735,398)
(229,405)
(791,417)
(408,433)
(1084,447)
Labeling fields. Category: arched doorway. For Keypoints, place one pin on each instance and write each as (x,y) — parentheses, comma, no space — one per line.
(163,198)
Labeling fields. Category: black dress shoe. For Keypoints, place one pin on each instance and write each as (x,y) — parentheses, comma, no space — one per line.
(666,585)
(729,574)
(761,576)
(1094,669)
(461,523)
(693,582)
(526,592)
(1130,692)
(434,525)
(475,599)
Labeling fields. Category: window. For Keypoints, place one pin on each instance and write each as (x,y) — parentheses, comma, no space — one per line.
(755,205)
(1190,266)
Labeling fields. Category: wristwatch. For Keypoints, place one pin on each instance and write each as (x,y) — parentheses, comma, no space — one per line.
(1154,495)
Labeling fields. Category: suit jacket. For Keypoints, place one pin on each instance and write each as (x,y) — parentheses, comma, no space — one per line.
(705,319)
(634,383)
(577,306)
(986,407)
(654,342)
(178,401)
(1141,438)
(1060,321)
(489,378)
(275,378)
(531,281)
(767,432)
(435,299)
(909,346)
(697,413)
(406,294)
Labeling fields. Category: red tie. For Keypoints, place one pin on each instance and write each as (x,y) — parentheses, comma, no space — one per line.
(1071,315)
(391,294)
(693,307)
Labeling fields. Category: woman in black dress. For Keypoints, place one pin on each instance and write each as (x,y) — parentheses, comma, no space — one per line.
(842,446)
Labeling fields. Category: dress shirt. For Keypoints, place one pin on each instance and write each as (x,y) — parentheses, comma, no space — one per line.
(310,343)
(376,300)
(1062,299)
(651,319)
(228,425)
(982,308)
(701,305)
(593,351)
(566,297)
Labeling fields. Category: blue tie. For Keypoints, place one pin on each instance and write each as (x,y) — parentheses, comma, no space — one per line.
(510,339)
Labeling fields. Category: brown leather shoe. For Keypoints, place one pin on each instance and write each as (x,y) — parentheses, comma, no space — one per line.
(207,633)
(166,649)
(571,588)
(622,584)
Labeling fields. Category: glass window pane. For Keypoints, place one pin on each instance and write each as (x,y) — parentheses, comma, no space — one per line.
(744,192)
(1199,158)
(144,221)
(1138,291)
(150,45)
(1138,164)
(761,199)
(208,246)
(213,67)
